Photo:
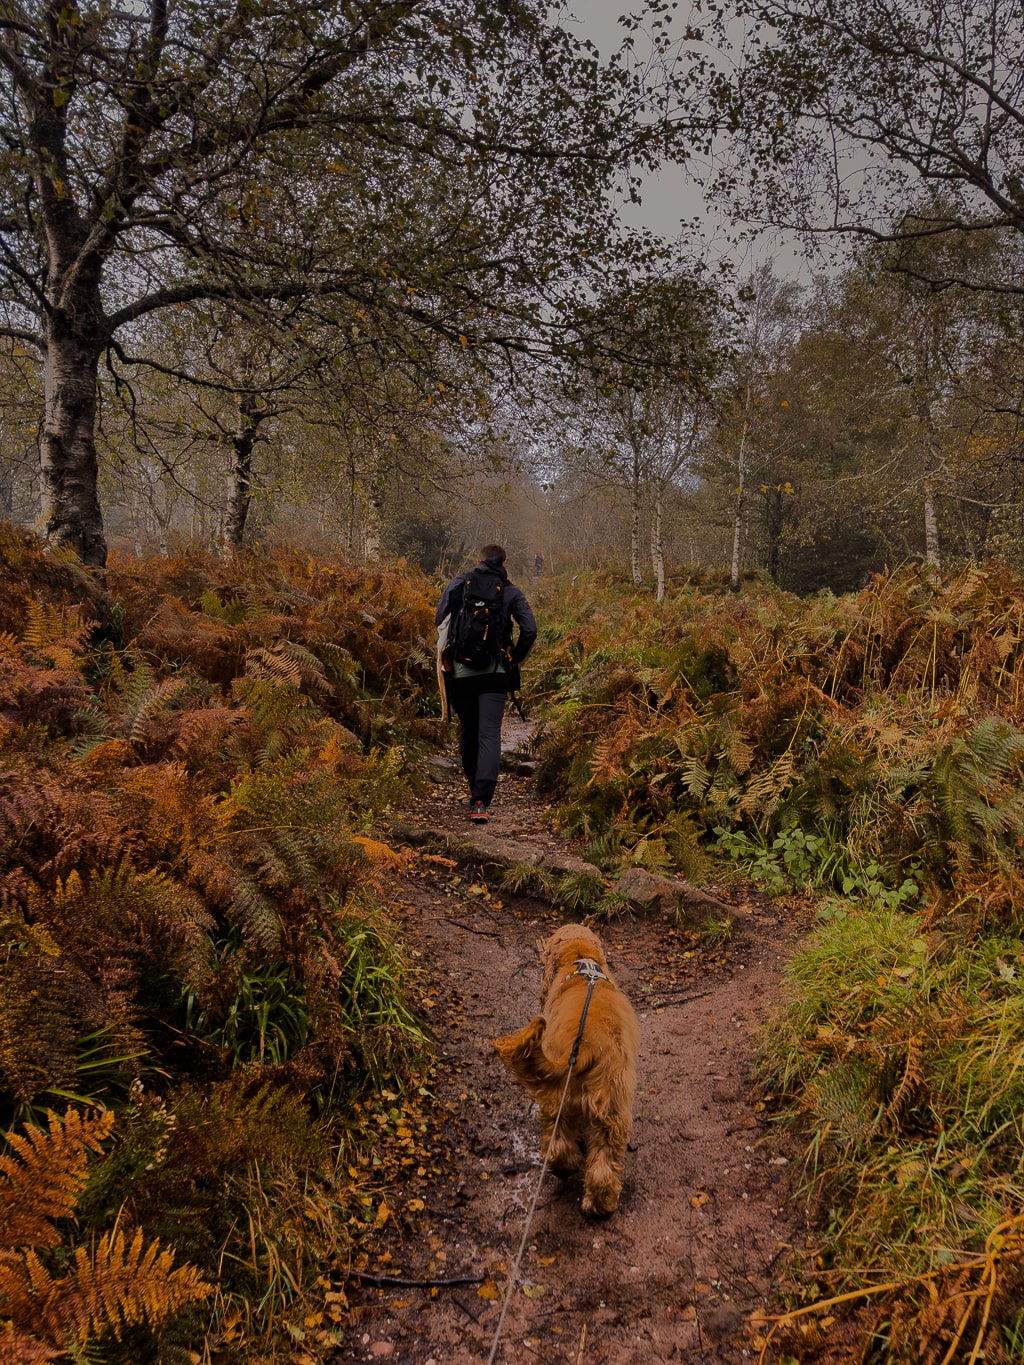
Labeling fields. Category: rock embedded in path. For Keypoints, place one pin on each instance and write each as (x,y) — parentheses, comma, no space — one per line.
(517,763)
(648,892)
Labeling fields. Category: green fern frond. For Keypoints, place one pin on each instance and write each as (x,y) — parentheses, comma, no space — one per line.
(150,704)
(256,913)
(695,777)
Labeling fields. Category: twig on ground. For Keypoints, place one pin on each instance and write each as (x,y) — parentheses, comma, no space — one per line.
(668,998)
(396,1282)
(471,929)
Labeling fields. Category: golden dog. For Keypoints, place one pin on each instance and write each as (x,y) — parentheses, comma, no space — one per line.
(598,1110)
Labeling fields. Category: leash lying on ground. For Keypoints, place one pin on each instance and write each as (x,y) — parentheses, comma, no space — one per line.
(592,974)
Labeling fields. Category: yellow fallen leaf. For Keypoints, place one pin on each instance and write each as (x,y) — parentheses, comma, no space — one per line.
(377,852)
(689,1313)
(698,1200)
(533,1291)
(489,1290)
(383,1214)
(415,1205)
(546,1260)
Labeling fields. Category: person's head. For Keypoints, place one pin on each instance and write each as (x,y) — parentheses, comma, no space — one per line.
(493,552)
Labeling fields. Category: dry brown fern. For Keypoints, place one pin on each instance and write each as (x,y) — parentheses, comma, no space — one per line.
(117,1283)
(909,1086)
(17,1348)
(43,1175)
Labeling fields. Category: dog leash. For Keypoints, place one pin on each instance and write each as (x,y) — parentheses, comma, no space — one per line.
(592,974)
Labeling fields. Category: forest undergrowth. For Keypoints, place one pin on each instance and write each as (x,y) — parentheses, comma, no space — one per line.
(205,1020)
(866,750)
(207,1032)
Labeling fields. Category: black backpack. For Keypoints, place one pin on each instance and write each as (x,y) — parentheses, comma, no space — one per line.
(480,623)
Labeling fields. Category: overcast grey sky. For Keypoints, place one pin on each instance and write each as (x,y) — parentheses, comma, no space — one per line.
(672,199)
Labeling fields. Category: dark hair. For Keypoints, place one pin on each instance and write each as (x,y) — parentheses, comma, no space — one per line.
(493,552)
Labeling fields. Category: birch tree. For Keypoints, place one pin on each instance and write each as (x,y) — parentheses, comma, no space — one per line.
(427,168)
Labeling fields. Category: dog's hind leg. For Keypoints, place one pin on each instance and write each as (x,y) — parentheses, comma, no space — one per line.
(565,1152)
(602,1175)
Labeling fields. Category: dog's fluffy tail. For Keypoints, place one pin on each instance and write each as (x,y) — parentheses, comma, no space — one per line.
(605,1082)
(523,1054)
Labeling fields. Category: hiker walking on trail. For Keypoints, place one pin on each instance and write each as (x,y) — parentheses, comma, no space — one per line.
(479,664)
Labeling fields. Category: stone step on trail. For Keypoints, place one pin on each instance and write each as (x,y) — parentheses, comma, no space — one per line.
(441,768)
(484,849)
(647,893)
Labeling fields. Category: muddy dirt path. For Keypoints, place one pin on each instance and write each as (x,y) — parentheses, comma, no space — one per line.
(709,1216)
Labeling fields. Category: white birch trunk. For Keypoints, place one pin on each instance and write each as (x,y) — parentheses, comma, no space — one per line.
(657,544)
(931,528)
(737,530)
(638,577)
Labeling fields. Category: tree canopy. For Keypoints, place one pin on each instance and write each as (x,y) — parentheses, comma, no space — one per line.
(406,171)
(900,121)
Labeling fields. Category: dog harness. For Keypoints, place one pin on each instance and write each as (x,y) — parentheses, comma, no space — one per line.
(592,974)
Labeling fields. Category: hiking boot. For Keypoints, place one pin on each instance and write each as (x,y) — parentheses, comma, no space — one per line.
(478,813)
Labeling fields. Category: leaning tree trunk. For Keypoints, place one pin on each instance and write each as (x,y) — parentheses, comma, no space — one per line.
(68,468)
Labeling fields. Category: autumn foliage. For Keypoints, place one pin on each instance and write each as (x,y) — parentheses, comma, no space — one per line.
(190,755)
(865,752)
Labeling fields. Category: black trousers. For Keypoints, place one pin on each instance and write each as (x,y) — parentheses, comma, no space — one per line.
(480,715)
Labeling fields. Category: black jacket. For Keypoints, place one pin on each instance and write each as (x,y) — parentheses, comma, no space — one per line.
(515,604)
